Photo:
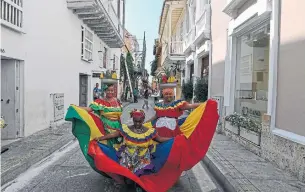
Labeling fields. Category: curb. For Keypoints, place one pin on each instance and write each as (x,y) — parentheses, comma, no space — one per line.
(201,180)
(219,174)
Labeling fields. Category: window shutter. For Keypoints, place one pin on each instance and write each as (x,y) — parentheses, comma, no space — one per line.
(228,72)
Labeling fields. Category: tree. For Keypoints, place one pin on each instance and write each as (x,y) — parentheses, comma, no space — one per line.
(154,66)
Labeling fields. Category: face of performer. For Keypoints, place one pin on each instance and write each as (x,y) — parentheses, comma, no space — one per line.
(168,96)
(110,91)
(138,122)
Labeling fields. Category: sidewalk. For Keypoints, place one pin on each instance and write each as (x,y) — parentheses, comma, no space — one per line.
(238,169)
(24,153)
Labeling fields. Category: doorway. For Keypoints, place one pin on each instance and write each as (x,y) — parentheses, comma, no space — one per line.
(205,67)
(83,90)
(191,72)
(12,98)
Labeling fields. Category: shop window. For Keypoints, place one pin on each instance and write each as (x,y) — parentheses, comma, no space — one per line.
(252,72)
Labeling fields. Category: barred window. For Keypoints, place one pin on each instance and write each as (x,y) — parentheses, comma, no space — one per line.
(12,12)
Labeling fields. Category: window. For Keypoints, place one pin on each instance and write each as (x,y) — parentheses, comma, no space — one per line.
(252,72)
(87,44)
(12,12)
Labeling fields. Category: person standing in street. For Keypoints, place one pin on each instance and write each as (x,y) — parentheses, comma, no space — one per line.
(135,94)
(146,95)
(96,92)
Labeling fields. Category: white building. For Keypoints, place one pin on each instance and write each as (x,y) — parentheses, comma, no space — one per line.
(51,55)
(196,45)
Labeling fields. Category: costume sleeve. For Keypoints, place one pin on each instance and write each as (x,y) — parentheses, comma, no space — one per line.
(181,104)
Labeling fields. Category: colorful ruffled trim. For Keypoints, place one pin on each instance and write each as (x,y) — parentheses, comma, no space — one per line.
(135,137)
(99,107)
(173,105)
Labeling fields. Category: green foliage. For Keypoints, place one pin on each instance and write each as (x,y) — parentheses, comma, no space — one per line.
(154,66)
(201,90)
(187,90)
(123,72)
(248,123)
(167,71)
(129,61)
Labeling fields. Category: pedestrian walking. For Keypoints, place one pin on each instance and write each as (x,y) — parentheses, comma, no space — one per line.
(146,95)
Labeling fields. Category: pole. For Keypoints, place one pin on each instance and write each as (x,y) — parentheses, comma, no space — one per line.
(126,67)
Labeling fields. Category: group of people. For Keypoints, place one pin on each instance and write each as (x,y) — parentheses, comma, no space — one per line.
(150,154)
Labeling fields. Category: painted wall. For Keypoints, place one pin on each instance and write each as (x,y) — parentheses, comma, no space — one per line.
(290,116)
(52,49)
(219,25)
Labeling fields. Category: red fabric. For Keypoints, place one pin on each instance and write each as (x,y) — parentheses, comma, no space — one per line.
(113,103)
(98,123)
(184,154)
(165,132)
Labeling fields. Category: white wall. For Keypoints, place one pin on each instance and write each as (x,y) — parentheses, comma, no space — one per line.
(52,58)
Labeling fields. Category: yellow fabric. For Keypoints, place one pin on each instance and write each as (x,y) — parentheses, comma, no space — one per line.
(142,147)
(112,115)
(192,120)
(132,134)
(148,125)
(95,103)
(94,131)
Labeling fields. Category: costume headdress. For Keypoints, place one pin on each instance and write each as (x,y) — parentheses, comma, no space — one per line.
(137,113)
(109,77)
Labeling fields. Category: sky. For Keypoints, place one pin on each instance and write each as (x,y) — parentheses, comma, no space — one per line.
(143,15)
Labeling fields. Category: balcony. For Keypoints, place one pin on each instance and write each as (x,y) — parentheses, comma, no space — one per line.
(172,52)
(188,44)
(176,48)
(233,6)
(100,16)
(203,27)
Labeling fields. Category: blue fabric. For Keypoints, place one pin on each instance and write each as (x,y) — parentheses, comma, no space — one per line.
(109,151)
(162,152)
(181,121)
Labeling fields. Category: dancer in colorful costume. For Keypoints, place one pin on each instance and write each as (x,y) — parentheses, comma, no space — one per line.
(109,110)
(169,159)
(167,113)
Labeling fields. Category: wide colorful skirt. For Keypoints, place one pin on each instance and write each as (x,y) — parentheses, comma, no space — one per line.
(170,158)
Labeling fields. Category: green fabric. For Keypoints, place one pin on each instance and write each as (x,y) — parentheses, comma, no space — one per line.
(82,132)
(95,107)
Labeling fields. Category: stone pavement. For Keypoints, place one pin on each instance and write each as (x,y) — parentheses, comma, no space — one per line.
(238,169)
(27,151)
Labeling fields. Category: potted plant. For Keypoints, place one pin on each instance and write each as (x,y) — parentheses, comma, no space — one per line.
(250,130)
(232,123)
(187,91)
(201,90)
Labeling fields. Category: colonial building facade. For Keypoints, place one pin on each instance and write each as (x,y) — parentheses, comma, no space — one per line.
(258,53)
(51,59)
